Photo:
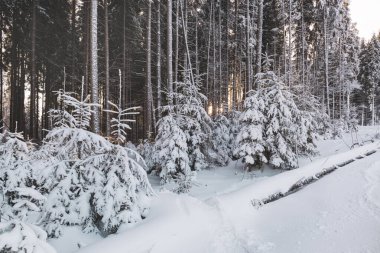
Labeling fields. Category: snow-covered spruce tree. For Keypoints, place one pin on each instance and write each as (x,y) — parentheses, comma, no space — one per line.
(17,236)
(313,123)
(189,102)
(119,124)
(183,134)
(171,157)
(24,202)
(219,149)
(233,118)
(72,112)
(19,199)
(60,117)
(16,169)
(120,193)
(282,138)
(250,143)
(273,129)
(146,151)
(93,184)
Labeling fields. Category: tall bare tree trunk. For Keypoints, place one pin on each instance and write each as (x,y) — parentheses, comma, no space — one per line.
(124,87)
(94,65)
(214,90)
(170,52)
(87,40)
(260,37)
(290,44)
(33,128)
(208,53)
(227,81)
(326,54)
(1,72)
(248,51)
(284,40)
(303,43)
(159,102)
(107,69)
(234,86)
(149,93)
(176,56)
(73,44)
(220,61)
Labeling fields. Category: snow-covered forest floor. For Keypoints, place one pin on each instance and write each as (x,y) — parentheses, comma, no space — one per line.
(222,212)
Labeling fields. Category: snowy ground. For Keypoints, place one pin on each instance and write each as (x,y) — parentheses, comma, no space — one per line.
(338,213)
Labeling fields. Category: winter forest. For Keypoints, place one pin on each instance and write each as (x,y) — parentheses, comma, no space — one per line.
(187,126)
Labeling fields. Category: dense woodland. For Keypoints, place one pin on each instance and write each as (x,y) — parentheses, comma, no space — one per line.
(46,46)
(95,94)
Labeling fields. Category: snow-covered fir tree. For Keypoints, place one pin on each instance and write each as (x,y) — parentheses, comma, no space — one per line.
(219,144)
(171,156)
(92,183)
(273,129)
(16,168)
(72,112)
(233,117)
(250,144)
(282,142)
(189,102)
(187,128)
(17,236)
(146,151)
(119,123)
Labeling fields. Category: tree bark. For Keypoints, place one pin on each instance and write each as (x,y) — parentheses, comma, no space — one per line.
(326,55)
(149,93)
(1,72)
(159,57)
(260,37)
(33,128)
(170,52)
(94,65)
(107,69)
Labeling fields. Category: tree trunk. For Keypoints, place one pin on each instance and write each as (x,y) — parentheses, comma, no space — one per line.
(149,93)
(326,55)
(214,90)
(107,69)
(208,53)
(1,72)
(159,57)
(33,128)
(220,61)
(124,88)
(290,76)
(170,52)
(73,45)
(94,64)
(248,52)
(260,37)
(234,86)
(86,45)
(176,57)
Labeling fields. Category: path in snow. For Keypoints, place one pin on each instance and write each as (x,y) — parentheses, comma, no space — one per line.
(338,213)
